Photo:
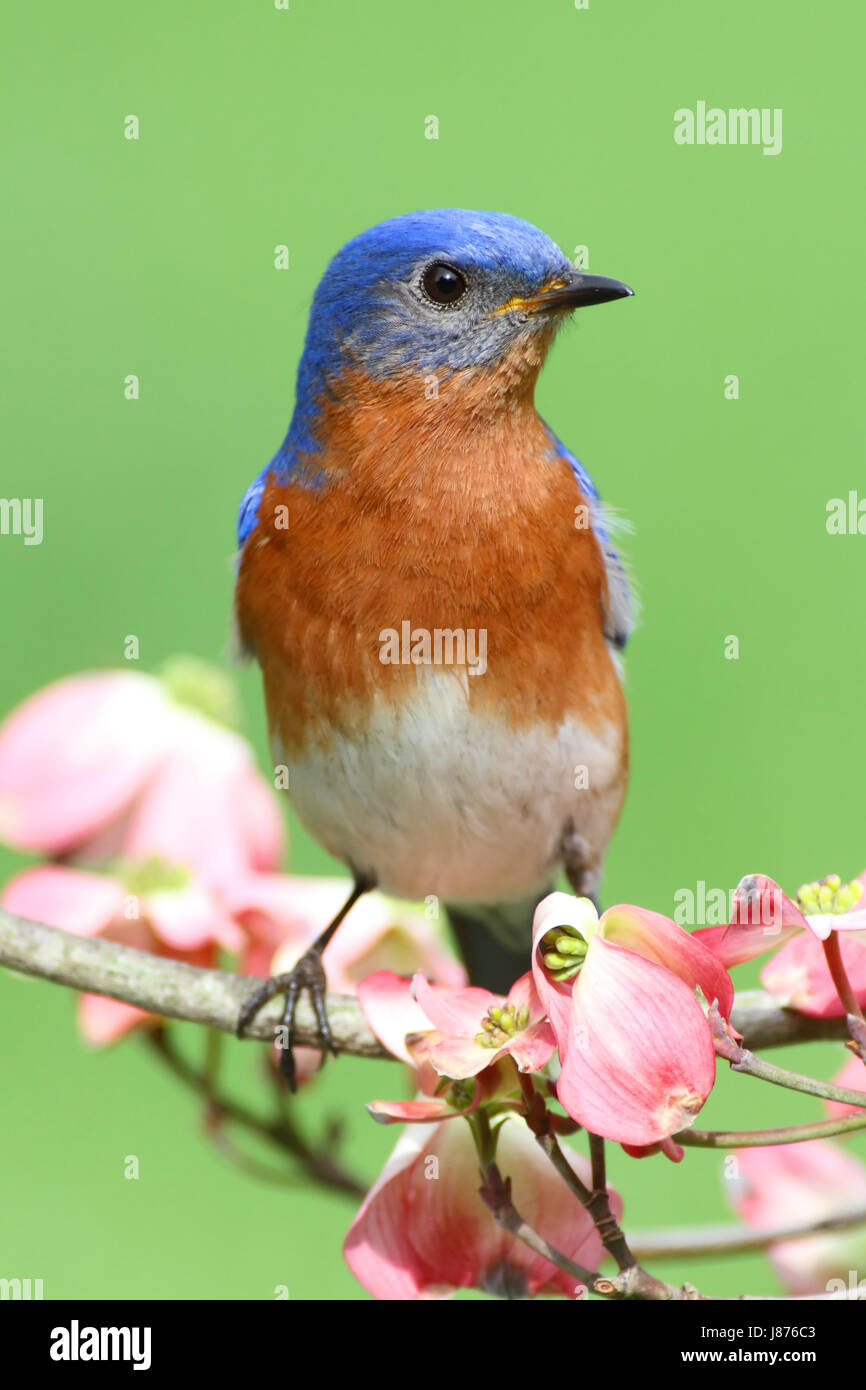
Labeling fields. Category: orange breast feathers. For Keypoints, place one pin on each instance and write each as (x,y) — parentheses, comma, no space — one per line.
(448,515)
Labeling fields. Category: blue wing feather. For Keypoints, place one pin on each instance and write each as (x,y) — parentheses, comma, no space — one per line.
(619,612)
(284,465)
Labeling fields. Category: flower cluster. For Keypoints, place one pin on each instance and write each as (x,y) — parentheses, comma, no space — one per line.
(156,830)
(621,992)
(824,915)
(818,1182)
(615,999)
(162,834)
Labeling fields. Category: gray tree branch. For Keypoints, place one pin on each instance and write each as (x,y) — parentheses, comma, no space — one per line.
(168,987)
(214,997)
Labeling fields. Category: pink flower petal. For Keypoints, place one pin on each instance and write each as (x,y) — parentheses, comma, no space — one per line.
(387,1004)
(283,914)
(257,809)
(557,909)
(381,934)
(103,1021)
(658,938)
(74,755)
(454,1011)
(675,1152)
(72,899)
(457,1057)
(524,995)
(799,977)
(378,1247)
(534,1047)
(189,812)
(795,1182)
(423,1231)
(734,945)
(454,1049)
(763,917)
(378,934)
(189,918)
(800,1183)
(389,1112)
(839,921)
(639,1063)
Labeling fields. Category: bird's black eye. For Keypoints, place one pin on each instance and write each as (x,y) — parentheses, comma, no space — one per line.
(442,283)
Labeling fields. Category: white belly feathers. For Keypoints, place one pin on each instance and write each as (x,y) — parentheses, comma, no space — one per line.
(437,797)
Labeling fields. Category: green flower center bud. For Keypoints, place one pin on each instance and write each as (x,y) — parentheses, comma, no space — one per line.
(152,875)
(829,895)
(200,686)
(564,950)
(501,1022)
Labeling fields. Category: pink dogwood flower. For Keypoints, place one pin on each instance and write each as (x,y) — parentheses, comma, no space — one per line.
(155,907)
(423,1231)
(801,1183)
(454,1071)
(762,917)
(798,975)
(119,763)
(473,1029)
(636,1050)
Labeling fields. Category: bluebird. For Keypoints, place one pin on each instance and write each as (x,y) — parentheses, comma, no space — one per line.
(427,579)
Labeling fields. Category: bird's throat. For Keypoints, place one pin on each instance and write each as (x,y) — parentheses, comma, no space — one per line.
(468,428)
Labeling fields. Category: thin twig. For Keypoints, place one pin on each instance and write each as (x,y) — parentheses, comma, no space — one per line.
(596,1199)
(758,1138)
(229,1150)
(730,1047)
(599,1164)
(282,1132)
(632,1283)
(751,1065)
(495,1192)
(698,1241)
(839,976)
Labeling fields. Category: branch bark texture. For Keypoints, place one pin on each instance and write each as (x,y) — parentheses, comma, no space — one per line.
(173,989)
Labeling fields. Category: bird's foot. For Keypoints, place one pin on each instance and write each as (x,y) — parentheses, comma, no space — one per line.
(308,974)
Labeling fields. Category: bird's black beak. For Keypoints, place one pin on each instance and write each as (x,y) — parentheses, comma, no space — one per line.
(579,291)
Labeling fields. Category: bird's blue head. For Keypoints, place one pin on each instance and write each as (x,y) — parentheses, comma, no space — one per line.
(439,291)
(429,292)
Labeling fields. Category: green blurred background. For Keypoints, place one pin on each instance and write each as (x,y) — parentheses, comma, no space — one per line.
(260,127)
